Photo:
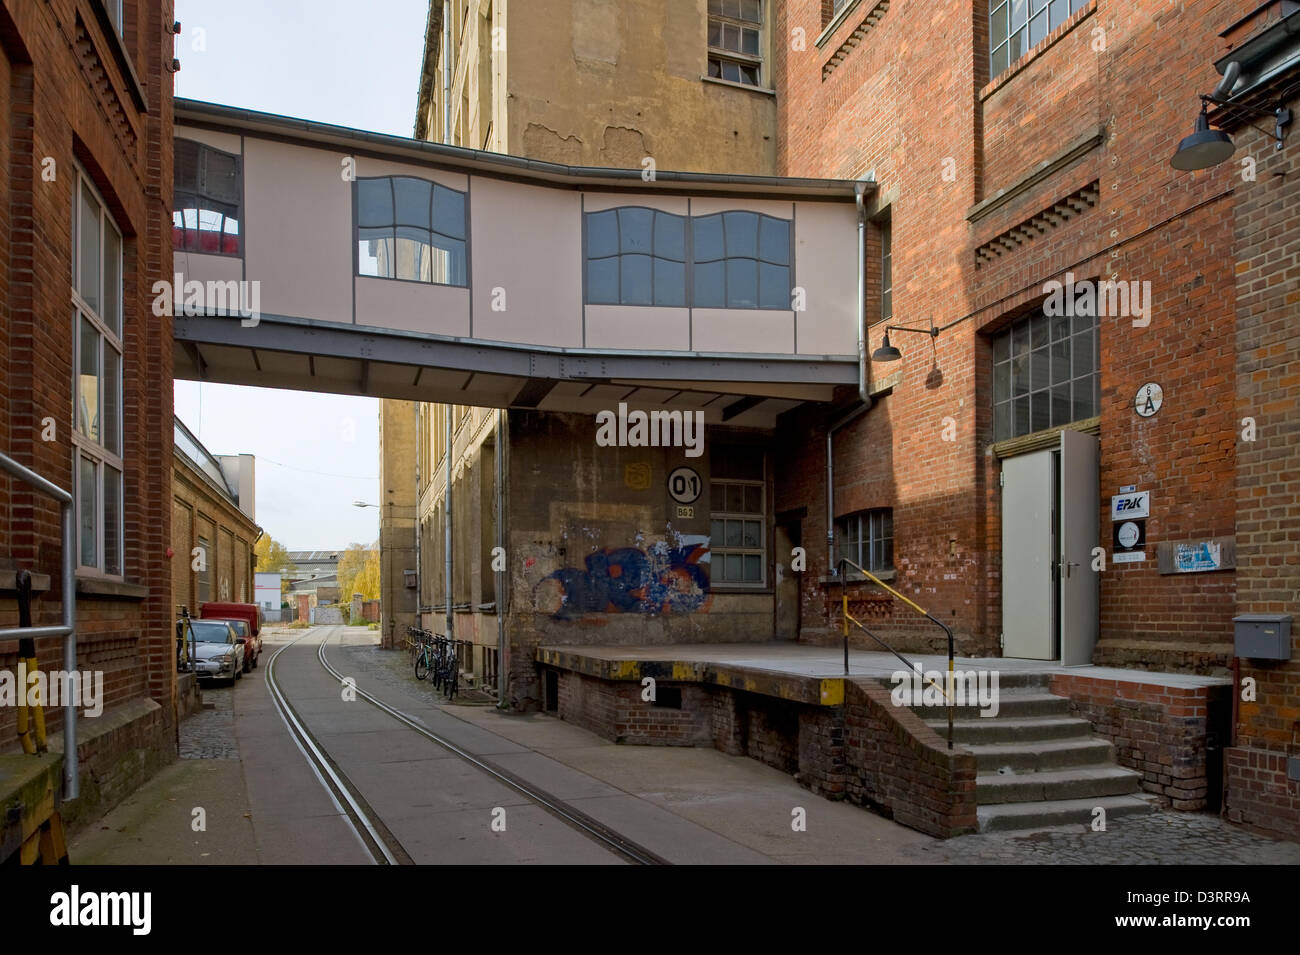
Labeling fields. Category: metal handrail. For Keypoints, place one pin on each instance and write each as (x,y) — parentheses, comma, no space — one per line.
(848,618)
(71,776)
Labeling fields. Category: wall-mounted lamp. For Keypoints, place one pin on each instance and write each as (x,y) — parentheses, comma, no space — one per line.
(1208,147)
(887,352)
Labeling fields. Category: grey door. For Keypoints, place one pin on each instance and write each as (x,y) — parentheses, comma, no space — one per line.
(1027,557)
(1080,529)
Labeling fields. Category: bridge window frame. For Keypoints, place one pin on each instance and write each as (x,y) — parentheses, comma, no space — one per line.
(212,204)
(408,225)
(634,249)
(736,259)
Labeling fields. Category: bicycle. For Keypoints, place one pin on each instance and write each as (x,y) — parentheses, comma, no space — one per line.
(422,652)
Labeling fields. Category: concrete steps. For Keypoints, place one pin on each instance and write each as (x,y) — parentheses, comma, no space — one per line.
(1064,812)
(1036,765)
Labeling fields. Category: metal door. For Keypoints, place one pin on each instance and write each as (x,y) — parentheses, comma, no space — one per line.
(1027,556)
(1080,529)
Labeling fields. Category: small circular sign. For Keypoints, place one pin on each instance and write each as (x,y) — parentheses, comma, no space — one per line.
(1148,400)
(685,485)
(1128,534)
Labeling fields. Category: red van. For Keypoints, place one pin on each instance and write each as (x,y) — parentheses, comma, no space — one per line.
(250,614)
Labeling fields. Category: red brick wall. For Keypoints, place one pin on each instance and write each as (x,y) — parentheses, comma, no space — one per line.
(888,108)
(66,98)
(1173,736)
(1268,477)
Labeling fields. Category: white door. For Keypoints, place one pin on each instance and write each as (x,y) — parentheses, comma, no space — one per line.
(1027,580)
(1080,530)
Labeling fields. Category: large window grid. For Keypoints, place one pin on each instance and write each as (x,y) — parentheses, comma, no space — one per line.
(736,41)
(1017,26)
(738,518)
(867,539)
(639,256)
(1045,373)
(208,192)
(411,229)
(636,256)
(97,391)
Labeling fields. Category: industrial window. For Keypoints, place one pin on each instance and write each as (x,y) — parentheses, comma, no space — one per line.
(411,229)
(205,571)
(1017,26)
(208,189)
(741,260)
(114,8)
(735,41)
(97,397)
(1045,372)
(738,517)
(867,539)
(636,256)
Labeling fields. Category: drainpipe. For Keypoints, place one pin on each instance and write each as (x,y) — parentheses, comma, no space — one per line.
(864,399)
(446,71)
(501,542)
(447,537)
(421,443)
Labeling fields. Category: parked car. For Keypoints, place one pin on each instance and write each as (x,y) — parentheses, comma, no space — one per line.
(218,649)
(252,644)
(251,614)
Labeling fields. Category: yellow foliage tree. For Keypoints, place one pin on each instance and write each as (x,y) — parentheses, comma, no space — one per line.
(358,572)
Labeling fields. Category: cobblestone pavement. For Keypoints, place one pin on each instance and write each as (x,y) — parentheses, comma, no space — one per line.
(1156,838)
(210,733)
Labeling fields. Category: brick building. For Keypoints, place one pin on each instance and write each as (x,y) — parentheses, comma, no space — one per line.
(1039,152)
(85,365)
(213,517)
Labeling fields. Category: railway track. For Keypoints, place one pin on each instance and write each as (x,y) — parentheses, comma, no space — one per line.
(380,843)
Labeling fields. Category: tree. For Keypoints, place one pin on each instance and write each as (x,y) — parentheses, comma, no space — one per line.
(359,572)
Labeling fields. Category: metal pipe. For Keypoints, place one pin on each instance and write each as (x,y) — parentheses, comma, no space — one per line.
(447,535)
(501,542)
(71,775)
(446,72)
(422,442)
(860,190)
(71,764)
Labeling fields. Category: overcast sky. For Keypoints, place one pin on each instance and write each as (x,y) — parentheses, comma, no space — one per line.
(349,63)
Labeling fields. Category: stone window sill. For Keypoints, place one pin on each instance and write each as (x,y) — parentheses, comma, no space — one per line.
(855,578)
(739,86)
(103,587)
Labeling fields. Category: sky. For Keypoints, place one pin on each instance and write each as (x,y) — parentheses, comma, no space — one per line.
(348,63)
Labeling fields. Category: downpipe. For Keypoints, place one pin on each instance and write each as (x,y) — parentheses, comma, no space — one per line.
(864,399)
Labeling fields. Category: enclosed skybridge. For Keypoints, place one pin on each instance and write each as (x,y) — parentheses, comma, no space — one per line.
(321,258)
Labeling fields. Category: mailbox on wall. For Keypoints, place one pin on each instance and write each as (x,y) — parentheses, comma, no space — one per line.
(1262,636)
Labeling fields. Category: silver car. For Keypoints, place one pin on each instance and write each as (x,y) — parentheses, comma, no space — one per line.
(219,650)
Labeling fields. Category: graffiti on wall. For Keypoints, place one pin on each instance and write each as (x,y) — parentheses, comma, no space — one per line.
(661,579)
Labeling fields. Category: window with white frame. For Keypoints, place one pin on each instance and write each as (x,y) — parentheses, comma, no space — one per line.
(738,518)
(97,392)
(736,41)
(114,8)
(1017,26)
(867,539)
(886,270)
